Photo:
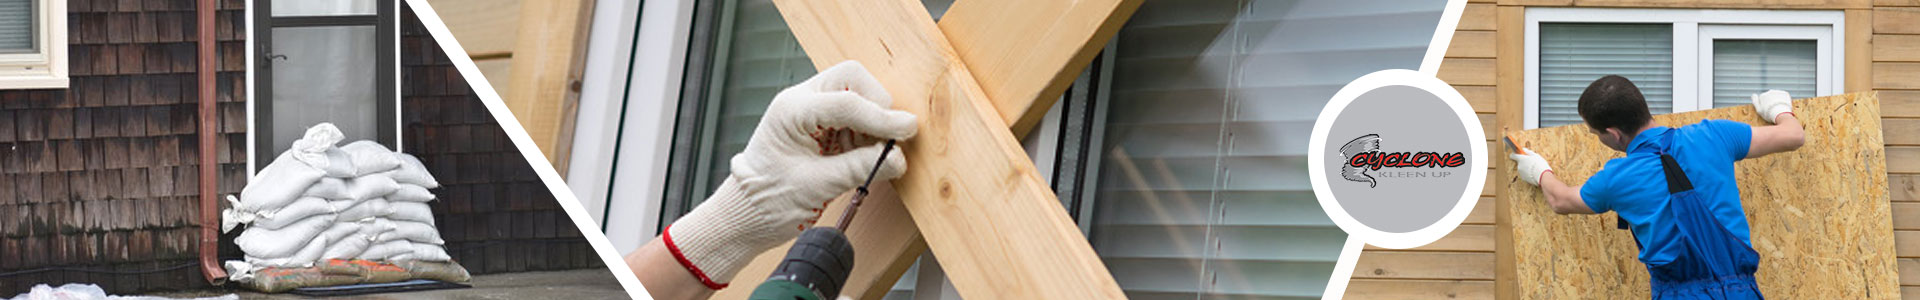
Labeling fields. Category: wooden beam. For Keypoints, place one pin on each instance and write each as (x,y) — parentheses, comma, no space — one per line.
(1025,65)
(551,49)
(889,245)
(970,188)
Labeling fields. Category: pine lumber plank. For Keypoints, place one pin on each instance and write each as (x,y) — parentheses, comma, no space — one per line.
(975,197)
(1368,289)
(1026,53)
(550,51)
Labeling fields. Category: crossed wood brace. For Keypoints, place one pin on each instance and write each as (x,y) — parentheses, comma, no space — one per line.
(970,191)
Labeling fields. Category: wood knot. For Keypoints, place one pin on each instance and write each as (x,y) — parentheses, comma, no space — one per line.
(946,189)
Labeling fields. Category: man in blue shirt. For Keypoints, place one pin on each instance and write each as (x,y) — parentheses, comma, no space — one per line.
(1674,189)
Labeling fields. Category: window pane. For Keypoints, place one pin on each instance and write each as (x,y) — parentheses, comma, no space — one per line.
(286,8)
(16,26)
(1742,68)
(1573,55)
(1202,186)
(324,74)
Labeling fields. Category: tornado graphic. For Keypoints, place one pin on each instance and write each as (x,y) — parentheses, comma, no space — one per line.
(1362,144)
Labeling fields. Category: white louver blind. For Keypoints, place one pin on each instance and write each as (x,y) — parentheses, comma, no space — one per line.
(1203,191)
(1742,68)
(16,26)
(1572,55)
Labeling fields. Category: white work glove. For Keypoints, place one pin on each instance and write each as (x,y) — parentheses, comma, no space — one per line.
(802,155)
(1772,103)
(1531,165)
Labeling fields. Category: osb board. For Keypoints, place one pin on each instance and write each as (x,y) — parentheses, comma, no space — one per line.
(1820,217)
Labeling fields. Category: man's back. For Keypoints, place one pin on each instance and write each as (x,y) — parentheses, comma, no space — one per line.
(1635,185)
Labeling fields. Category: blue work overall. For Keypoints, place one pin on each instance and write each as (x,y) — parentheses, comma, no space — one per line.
(1714,263)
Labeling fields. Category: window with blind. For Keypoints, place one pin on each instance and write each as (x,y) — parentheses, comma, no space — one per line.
(33,49)
(1202,190)
(1682,60)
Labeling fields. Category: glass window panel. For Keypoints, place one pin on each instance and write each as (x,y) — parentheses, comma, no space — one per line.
(324,74)
(1202,192)
(1742,68)
(17,29)
(1572,55)
(290,8)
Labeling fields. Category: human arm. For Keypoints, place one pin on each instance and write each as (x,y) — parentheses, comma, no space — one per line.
(815,142)
(1534,169)
(1785,134)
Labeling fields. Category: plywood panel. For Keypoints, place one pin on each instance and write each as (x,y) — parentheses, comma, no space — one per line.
(1423,265)
(1471,44)
(1369,289)
(484,27)
(1467,71)
(1563,257)
(1896,20)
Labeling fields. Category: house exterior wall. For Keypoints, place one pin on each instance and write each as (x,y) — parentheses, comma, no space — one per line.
(1486,63)
(103,176)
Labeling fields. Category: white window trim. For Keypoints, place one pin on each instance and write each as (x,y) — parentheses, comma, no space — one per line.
(1693,30)
(46,68)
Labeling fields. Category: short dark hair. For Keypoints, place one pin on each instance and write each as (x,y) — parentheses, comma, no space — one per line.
(1613,102)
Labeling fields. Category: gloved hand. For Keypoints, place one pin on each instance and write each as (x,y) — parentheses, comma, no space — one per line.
(797,160)
(1531,165)
(1772,103)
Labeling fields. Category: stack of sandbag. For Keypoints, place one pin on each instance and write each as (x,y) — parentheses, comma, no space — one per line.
(317,201)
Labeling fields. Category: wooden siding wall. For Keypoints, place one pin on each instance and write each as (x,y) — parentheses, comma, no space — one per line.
(494,212)
(488,30)
(103,176)
(1485,62)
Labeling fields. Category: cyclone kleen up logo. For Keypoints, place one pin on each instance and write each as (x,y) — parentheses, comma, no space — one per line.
(1363,155)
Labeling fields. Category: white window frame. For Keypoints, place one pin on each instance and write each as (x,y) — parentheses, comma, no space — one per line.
(1693,33)
(46,68)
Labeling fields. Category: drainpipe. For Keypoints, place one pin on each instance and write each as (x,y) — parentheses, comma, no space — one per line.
(209,174)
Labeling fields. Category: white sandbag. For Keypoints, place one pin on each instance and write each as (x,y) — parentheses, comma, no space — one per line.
(370,157)
(411,211)
(339,164)
(410,193)
(348,247)
(411,231)
(375,227)
(411,171)
(282,242)
(388,249)
(430,252)
(364,209)
(314,249)
(328,188)
(279,183)
(298,210)
(370,186)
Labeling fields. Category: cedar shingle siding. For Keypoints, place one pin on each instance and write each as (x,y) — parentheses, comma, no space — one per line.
(98,182)
(494,212)
(103,176)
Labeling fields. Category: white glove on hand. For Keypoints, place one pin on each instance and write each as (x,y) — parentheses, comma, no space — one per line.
(1772,103)
(1531,165)
(797,160)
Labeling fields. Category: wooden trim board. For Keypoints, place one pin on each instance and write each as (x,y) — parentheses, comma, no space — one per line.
(550,52)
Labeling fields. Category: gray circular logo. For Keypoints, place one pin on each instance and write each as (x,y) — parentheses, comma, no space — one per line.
(1398,158)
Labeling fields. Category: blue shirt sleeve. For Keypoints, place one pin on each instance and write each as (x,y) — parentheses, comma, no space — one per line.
(1735,137)
(1593,192)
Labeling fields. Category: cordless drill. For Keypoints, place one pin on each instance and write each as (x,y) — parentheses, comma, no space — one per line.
(821,258)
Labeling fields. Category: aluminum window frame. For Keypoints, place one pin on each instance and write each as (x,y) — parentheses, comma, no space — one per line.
(1690,83)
